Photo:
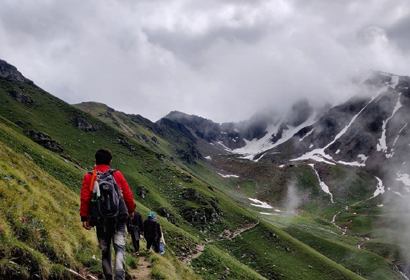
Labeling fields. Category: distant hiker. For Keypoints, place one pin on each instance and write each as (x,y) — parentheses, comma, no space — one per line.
(161,245)
(151,232)
(160,236)
(135,228)
(106,201)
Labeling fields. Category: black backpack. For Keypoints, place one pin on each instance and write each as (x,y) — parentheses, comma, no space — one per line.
(110,201)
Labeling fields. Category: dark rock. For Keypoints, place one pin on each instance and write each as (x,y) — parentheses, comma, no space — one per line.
(11,73)
(161,156)
(84,126)
(19,97)
(168,214)
(20,123)
(45,140)
(194,195)
(200,216)
(123,141)
(142,191)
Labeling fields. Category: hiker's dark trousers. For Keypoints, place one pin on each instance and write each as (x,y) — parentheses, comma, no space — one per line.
(106,235)
(152,242)
(135,236)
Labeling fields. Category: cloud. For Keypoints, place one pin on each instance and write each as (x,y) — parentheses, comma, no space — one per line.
(222,60)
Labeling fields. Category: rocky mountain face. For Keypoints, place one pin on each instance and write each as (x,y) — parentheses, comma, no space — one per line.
(369,131)
(11,73)
(230,136)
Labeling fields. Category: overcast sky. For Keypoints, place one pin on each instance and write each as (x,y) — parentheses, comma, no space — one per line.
(220,59)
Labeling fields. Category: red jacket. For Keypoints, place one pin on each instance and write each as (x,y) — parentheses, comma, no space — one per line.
(87,192)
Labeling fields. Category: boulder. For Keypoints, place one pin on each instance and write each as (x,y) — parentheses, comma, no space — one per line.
(19,97)
(45,140)
(84,126)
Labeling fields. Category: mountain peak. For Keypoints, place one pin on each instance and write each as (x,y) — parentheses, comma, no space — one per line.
(11,73)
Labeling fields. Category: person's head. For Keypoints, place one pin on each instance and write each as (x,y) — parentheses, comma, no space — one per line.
(103,156)
(150,215)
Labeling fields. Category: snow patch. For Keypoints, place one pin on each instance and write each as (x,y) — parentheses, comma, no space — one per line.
(363,158)
(208,157)
(306,135)
(258,203)
(256,146)
(382,145)
(228,176)
(322,184)
(379,188)
(225,147)
(269,214)
(319,153)
(354,163)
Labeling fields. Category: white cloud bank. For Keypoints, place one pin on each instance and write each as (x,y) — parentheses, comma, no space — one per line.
(223,60)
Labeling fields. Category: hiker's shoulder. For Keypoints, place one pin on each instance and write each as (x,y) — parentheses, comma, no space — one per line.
(88,175)
(117,174)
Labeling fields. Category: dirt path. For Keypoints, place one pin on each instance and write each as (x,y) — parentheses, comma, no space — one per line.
(227,235)
(143,271)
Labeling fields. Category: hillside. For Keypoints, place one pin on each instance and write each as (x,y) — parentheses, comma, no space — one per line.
(47,145)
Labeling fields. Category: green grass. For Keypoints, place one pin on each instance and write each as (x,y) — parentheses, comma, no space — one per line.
(41,231)
(215,263)
(361,262)
(276,255)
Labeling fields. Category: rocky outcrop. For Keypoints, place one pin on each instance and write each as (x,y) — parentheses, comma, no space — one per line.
(142,191)
(11,73)
(168,214)
(207,213)
(84,126)
(45,140)
(20,97)
(124,142)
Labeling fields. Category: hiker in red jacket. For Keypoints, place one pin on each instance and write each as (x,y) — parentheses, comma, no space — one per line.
(109,230)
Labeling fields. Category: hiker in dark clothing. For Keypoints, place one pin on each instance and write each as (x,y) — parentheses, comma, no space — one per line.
(159,230)
(151,232)
(135,228)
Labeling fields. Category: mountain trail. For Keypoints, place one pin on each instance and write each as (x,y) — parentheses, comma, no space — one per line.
(227,235)
(143,271)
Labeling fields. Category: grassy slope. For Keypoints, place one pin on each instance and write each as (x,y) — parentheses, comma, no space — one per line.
(51,237)
(281,257)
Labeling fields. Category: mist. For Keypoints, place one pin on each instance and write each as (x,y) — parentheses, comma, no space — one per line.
(221,60)
(293,199)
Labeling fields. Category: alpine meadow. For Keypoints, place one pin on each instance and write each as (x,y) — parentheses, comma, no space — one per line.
(317,193)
